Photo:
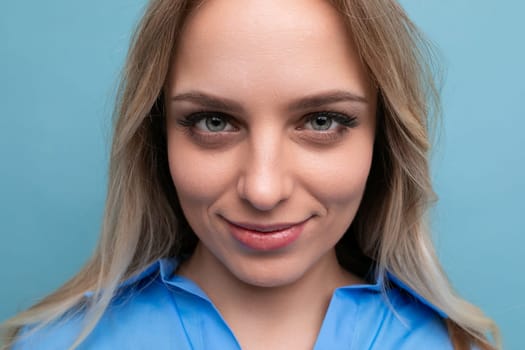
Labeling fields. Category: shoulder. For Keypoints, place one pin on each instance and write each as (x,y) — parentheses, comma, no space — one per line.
(395,318)
(403,321)
(141,316)
(57,335)
(417,324)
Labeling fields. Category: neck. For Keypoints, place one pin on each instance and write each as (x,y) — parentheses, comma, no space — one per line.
(251,311)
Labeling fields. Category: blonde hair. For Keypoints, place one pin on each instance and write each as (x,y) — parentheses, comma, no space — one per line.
(143,221)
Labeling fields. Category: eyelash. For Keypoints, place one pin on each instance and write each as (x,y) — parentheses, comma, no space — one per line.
(347,121)
(344,122)
(191,120)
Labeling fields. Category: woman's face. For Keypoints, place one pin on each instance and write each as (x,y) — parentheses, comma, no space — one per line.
(270,126)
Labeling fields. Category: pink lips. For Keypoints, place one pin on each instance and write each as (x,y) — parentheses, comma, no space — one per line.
(266,237)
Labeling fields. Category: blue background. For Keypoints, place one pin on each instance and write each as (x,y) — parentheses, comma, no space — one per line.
(59,63)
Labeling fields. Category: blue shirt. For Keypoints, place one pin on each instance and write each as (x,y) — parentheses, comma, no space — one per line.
(158,309)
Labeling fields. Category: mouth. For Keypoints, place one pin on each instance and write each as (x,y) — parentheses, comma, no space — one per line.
(266,237)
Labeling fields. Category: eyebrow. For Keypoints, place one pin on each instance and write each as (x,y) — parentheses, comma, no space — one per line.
(307,102)
(326,98)
(209,101)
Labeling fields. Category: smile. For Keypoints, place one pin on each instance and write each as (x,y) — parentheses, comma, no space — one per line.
(266,237)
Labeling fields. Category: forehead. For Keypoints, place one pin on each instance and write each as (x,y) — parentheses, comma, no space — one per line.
(262,19)
(249,44)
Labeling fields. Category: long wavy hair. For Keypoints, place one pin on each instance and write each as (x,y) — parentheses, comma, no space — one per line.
(143,221)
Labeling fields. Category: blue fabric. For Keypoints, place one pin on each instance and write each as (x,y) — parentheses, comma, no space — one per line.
(161,310)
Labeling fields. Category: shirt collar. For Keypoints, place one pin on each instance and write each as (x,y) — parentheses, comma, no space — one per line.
(165,270)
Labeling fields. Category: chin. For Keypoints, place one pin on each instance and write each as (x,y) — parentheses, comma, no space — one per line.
(267,275)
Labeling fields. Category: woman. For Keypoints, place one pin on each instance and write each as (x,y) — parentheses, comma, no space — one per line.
(268,189)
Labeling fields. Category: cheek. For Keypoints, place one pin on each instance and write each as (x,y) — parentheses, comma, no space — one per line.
(199,177)
(339,179)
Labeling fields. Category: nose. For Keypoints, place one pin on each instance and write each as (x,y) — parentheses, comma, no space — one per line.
(265,179)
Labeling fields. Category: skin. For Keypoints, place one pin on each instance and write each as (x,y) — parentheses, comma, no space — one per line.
(269,164)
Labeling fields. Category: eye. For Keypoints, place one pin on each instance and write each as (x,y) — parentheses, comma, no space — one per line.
(320,122)
(212,122)
(326,121)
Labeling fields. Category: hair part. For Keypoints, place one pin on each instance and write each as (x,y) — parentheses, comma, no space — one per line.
(143,221)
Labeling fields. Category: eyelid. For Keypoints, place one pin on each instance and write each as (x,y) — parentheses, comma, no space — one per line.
(343,119)
(191,120)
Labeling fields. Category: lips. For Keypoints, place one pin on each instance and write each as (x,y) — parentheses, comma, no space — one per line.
(266,237)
